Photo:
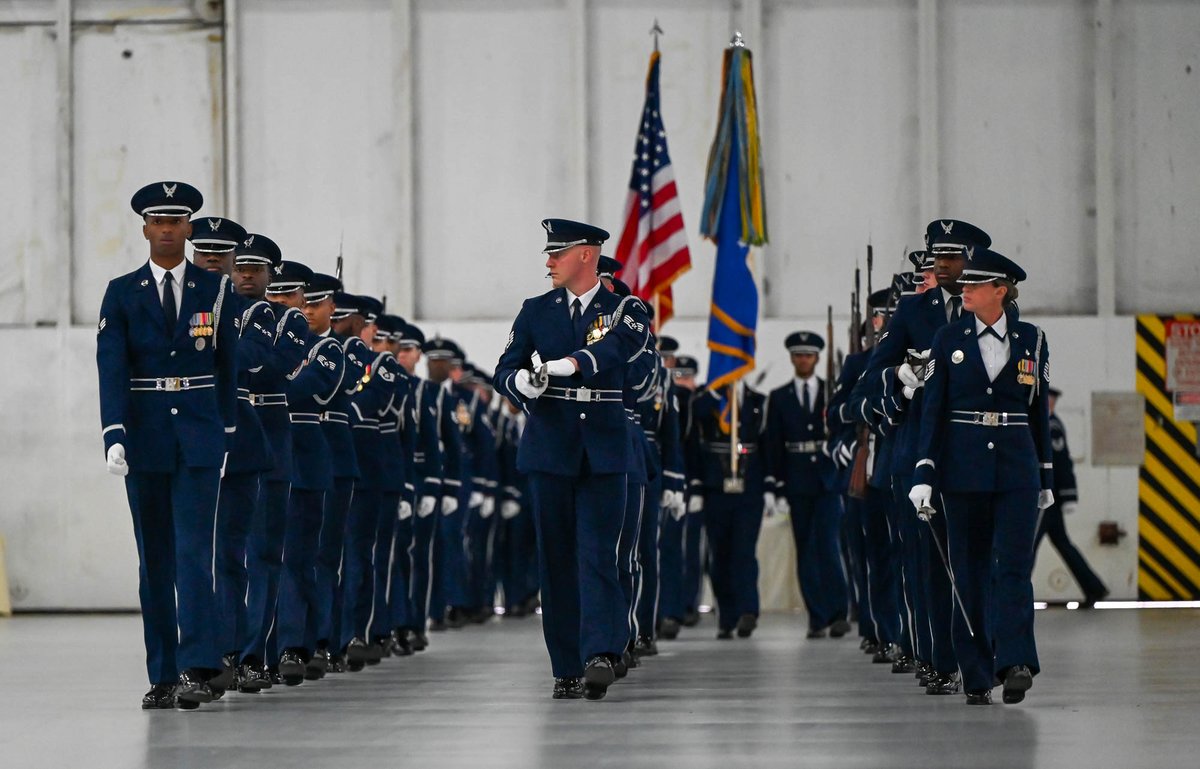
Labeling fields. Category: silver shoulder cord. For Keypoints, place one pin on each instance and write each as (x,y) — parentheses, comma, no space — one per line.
(217,310)
(1037,362)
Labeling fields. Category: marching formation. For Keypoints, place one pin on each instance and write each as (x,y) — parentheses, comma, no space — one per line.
(305,504)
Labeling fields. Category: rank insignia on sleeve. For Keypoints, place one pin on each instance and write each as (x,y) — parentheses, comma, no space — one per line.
(103,323)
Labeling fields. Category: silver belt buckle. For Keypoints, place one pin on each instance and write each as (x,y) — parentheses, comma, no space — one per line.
(991,418)
(583,394)
(171,384)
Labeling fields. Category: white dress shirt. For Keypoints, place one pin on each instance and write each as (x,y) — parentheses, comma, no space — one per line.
(946,302)
(994,351)
(584,300)
(809,384)
(160,274)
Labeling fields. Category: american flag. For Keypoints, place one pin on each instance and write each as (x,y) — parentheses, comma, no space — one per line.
(653,245)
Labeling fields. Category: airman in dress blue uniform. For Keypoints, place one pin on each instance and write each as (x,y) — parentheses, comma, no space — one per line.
(985,441)
(565,363)
(684,376)
(516,540)
(165,351)
(257,262)
(672,526)
(804,486)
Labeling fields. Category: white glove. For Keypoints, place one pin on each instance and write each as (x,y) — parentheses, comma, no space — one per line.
(426,506)
(1045,499)
(1069,507)
(769,503)
(695,504)
(487,507)
(405,510)
(921,495)
(116,460)
(674,504)
(909,377)
(224,461)
(525,385)
(476,499)
(782,508)
(449,505)
(561,367)
(509,509)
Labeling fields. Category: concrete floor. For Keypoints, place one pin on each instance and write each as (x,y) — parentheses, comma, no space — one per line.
(1121,689)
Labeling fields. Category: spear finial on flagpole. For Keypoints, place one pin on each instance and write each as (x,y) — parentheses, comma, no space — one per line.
(737,41)
(656,31)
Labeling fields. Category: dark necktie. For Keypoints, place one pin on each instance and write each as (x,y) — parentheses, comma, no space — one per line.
(807,399)
(170,313)
(955,308)
(577,317)
(993,332)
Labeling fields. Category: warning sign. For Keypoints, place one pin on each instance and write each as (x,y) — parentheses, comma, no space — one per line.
(1187,406)
(1183,355)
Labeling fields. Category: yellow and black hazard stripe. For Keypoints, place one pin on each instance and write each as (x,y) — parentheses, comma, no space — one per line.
(1169,479)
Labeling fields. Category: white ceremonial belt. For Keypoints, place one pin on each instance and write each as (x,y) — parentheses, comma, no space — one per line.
(583,394)
(171,384)
(306,418)
(723,448)
(268,399)
(990,418)
(339,417)
(803,447)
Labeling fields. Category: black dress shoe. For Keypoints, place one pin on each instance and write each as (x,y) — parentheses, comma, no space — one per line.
(644,646)
(668,629)
(291,667)
(1089,601)
(437,626)
(337,664)
(192,690)
(598,675)
(630,659)
(160,697)
(228,675)
(419,641)
(1017,681)
(839,628)
(568,688)
(924,673)
(887,654)
(273,674)
(746,625)
(455,618)
(724,634)
(904,664)
(314,669)
(382,646)
(620,669)
(356,651)
(400,645)
(815,633)
(979,698)
(252,678)
(691,618)
(869,646)
(943,683)
(374,652)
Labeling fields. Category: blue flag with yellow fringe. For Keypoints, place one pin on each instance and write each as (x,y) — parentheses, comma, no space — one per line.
(734,218)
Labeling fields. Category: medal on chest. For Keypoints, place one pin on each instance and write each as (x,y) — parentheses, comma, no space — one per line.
(201,325)
(462,415)
(1026,372)
(597,329)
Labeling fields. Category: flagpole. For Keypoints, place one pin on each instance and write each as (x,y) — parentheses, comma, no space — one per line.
(734,484)
(657,324)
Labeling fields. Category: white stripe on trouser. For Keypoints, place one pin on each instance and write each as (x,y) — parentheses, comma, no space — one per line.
(635,565)
(867,565)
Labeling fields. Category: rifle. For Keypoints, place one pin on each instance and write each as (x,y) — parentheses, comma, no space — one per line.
(856,314)
(830,374)
(862,449)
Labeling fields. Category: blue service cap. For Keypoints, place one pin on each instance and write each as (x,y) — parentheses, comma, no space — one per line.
(287,277)
(878,302)
(921,260)
(442,349)
(211,235)
(167,199)
(259,249)
(564,233)
(619,288)
(345,305)
(320,287)
(804,342)
(944,235)
(685,365)
(388,328)
(668,345)
(369,307)
(607,267)
(984,266)
(411,336)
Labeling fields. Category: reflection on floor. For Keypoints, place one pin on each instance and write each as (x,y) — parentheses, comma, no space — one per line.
(1120,689)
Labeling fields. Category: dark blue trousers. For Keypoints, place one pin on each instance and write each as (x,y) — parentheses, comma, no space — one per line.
(856,549)
(296,613)
(173,519)
(627,550)
(235,515)
(358,581)
(648,567)
(1055,527)
(816,530)
(694,560)
(383,557)
(578,521)
(915,620)
(264,561)
(882,551)
(732,523)
(420,587)
(480,531)
(450,561)
(939,597)
(991,538)
(401,579)
(671,573)
(516,562)
(329,561)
